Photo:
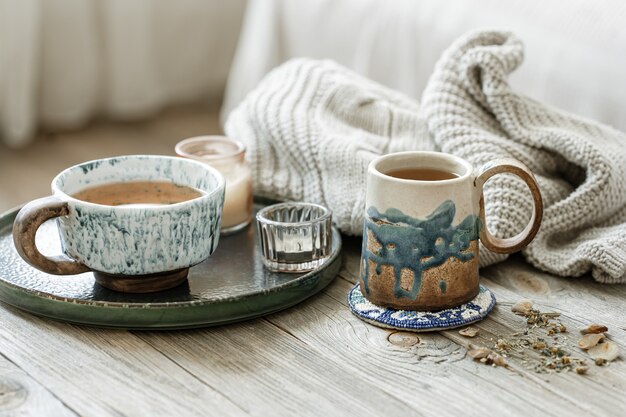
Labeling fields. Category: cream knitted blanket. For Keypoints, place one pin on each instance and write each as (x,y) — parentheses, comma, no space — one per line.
(312,127)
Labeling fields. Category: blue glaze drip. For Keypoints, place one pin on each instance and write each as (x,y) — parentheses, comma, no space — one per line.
(416,244)
(442,286)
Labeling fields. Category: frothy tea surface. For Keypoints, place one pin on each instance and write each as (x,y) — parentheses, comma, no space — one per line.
(138,193)
(422,174)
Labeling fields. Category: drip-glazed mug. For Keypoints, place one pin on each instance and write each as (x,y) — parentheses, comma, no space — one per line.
(420,236)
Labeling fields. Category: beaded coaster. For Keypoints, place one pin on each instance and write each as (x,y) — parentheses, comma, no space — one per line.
(422,321)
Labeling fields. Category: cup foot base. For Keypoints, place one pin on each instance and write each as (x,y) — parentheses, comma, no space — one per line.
(142,283)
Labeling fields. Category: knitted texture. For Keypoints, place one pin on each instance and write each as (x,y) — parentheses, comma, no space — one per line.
(312,127)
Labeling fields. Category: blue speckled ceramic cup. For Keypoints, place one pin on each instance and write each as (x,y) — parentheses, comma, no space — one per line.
(129,248)
(420,236)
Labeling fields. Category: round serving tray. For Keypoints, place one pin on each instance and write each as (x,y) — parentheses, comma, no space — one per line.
(231,285)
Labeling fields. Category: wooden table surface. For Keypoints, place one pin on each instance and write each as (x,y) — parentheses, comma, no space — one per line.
(315,359)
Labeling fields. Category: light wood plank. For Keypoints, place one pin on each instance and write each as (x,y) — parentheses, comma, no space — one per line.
(427,370)
(582,299)
(21,395)
(600,392)
(268,372)
(602,389)
(313,359)
(99,372)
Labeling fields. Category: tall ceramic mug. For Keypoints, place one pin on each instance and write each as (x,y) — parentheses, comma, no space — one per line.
(420,236)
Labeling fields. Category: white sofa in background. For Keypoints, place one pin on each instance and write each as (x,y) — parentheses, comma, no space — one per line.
(575,49)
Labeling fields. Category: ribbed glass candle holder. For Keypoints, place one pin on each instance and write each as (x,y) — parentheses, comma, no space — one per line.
(295,237)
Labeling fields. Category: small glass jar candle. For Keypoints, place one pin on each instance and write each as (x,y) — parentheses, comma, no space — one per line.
(227,156)
(295,237)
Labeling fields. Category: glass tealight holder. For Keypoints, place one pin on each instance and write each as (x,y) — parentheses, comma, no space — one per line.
(227,156)
(295,237)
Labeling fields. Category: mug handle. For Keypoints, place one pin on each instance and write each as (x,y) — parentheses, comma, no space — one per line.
(519,241)
(25,226)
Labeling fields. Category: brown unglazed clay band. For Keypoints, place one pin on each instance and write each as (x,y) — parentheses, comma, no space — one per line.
(28,220)
(520,241)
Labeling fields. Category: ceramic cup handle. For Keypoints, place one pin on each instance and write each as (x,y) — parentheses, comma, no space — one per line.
(518,242)
(28,220)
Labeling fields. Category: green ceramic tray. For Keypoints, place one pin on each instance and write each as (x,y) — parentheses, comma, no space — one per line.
(231,285)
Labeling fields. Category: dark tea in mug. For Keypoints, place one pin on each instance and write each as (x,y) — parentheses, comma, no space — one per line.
(422,174)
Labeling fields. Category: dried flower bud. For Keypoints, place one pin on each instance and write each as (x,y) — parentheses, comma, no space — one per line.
(594,328)
(501,344)
(539,345)
(580,370)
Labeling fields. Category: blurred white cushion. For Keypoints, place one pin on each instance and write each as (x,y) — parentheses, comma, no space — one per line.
(575,49)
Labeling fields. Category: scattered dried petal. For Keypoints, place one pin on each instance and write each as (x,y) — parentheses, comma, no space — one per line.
(607,350)
(479,353)
(594,328)
(581,370)
(522,307)
(590,340)
(552,355)
(496,359)
(501,344)
(469,332)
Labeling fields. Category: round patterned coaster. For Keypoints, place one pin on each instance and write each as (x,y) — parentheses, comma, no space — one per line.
(422,321)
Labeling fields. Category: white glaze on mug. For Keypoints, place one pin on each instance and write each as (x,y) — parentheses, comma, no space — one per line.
(140,240)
